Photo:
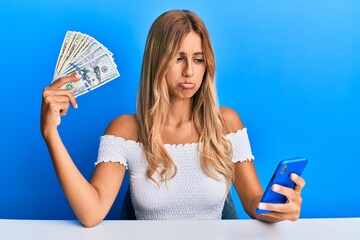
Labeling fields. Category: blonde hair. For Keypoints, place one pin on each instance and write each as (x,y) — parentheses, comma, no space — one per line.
(163,43)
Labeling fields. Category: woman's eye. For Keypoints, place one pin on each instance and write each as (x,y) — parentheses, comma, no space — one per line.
(199,60)
(179,59)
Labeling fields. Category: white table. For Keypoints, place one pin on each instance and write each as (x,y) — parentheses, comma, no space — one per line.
(308,229)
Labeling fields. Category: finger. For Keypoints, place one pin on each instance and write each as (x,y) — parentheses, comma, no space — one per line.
(60,92)
(57,99)
(275,207)
(299,181)
(64,80)
(288,192)
(64,110)
(59,109)
(280,211)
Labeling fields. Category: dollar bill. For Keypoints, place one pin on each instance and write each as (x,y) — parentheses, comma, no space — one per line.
(93,75)
(64,46)
(85,55)
(71,49)
(79,43)
(92,56)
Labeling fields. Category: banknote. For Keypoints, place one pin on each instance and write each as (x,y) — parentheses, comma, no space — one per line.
(85,55)
(64,46)
(93,46)
(88,58)
(93,75)
(72,48)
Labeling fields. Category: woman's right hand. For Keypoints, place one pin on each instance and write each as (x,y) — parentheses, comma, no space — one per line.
(55,103)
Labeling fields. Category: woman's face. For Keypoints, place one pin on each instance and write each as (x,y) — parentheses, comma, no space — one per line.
(186,70)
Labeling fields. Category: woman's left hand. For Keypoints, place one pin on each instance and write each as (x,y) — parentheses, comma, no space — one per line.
(291,209)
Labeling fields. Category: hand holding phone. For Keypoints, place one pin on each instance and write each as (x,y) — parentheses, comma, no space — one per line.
(281,177)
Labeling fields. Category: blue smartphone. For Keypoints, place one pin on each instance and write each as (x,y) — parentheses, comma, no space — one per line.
(281,176)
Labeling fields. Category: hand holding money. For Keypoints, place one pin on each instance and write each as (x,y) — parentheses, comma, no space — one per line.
(55,103)
(83,65)
(93,61)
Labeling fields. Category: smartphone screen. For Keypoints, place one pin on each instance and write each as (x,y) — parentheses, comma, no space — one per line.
(281,176)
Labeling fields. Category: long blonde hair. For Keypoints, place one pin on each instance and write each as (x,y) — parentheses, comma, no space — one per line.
(163,42)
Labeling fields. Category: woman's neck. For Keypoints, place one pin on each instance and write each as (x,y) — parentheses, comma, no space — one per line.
(179,113)
(179,127)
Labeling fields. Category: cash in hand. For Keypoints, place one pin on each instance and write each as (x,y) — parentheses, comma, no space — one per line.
(88,57)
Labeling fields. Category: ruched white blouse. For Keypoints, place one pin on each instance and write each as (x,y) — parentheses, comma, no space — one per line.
(189,195)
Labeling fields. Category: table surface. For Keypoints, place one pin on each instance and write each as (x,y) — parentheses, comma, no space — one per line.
(321,228)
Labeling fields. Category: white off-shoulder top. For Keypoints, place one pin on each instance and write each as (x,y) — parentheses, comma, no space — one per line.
(189,195)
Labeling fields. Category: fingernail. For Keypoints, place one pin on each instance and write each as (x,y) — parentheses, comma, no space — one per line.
(76,106)
(261,206)
(77,75)
(294,176)
(276,187)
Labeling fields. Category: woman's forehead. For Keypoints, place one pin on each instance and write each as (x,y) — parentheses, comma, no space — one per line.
(191,43)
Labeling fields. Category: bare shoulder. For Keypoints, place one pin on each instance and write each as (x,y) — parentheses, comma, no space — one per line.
(231,118)
(124,126)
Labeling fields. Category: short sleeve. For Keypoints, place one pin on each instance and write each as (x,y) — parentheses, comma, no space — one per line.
(112,149)
(240,146)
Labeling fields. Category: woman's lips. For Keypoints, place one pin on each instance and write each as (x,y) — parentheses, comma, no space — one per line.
(187,85)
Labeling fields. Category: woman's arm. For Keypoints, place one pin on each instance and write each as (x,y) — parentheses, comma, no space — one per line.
(89,201)
(249,189)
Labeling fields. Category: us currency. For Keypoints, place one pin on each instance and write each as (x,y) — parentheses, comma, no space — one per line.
(71,49)
(64,46)
(93,75)
(86,56)
(66,49)
(92,60)
(92,56)
(76,50)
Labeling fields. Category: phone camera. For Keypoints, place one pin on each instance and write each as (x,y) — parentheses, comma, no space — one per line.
(283,170)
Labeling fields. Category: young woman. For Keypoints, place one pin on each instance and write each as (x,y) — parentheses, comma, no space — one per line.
(182,151)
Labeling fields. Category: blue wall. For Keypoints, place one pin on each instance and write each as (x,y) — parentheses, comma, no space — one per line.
(290,68)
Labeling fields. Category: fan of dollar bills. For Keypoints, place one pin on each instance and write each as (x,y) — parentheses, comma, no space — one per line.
(85,55)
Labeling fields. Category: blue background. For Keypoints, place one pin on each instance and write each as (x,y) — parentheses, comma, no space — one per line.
(290,68)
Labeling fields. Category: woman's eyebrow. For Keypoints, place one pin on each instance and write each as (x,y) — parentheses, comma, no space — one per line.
(195,53)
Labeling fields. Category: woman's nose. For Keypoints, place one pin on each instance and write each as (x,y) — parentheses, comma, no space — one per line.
(188,70)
